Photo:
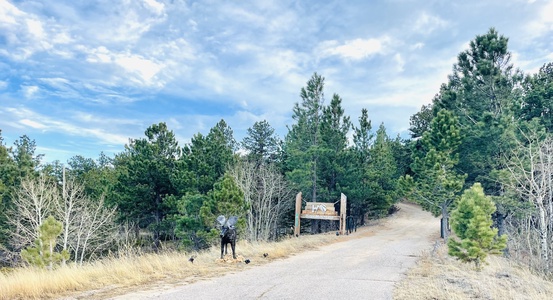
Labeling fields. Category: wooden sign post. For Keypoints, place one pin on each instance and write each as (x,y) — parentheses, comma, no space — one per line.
(297,217)
(320,211)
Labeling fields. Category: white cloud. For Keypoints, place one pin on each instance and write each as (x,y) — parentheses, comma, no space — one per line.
(157,7)
(33,124)
(27,34)
(427,23)
(417,46)
(29,91)
(99,55)
(146,69)
(8,13)
(35,28)
(103,133)
(355,49)
(3,84)
(542,24)
(399,61)
(143,70)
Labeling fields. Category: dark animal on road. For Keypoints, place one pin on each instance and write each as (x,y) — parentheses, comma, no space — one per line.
(247,261)
(265,254)
(191,259)
(228,234)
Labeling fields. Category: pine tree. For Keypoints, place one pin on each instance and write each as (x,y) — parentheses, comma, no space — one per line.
(381,174)
(144,174)
(226,199)
(334,129)
(471,221)
(43,254)
(303,142)
(261,143)
(436,182)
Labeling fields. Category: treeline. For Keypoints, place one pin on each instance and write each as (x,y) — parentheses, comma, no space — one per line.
(489,126)
(157,193)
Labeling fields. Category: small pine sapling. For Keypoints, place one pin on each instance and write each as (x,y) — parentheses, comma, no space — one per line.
(471,221)
(43,254)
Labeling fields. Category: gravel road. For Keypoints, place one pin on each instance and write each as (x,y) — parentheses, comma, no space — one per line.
(359,268)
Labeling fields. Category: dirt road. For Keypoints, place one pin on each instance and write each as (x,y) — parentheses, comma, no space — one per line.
(359,268)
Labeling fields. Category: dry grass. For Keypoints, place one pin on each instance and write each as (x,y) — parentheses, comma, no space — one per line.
(106,277)
(438,276)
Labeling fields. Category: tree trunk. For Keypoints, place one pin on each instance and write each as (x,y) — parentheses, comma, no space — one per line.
(445,223)
(158,221)
(543,237)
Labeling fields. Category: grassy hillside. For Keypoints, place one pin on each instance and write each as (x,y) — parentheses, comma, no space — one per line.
(104,277)
(439,276)
(436,275)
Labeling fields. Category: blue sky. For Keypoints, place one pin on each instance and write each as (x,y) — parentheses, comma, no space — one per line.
(80,77)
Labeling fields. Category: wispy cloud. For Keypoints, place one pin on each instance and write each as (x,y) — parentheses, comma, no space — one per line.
(36,120)
(103,71)
(542,24)
(356,49)
(427,23)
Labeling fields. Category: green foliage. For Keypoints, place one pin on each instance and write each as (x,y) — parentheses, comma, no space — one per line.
(16,164)
(381,174)
(189,224)
(356,163)
(471,221)
(144,174)
(303,142)
(363,136)
(436,183)
(334,129)
(481,92)
(205,160)
(24,157)
(226,199)
(7,168)
(538,97)
(43,253)
(261,142)
(420,122)
(97,176)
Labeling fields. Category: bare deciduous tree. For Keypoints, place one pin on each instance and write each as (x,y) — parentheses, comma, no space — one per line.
(32,204)
(530,166)
(94,230)
(88,226)
(266,192)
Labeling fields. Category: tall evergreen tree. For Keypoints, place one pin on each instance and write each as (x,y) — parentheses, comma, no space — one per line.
(356,182)
(261,142)
(334,129)
(226,199)
(303,142)
(420,122)
(381,174)
(205,159)
(537,101)
(25,158)
(8,171)
(481,93)
(436,183)
(144,179)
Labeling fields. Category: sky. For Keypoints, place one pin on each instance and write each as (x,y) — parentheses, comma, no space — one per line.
(83,77)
